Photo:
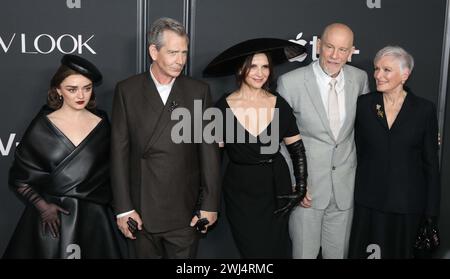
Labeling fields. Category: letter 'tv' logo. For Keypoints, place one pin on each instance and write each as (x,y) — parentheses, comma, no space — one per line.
(373,4)
(73,4)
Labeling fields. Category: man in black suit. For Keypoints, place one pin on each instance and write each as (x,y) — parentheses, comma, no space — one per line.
(158,183)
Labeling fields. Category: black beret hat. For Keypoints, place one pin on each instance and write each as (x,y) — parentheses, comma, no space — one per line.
(82,66)
(232,58)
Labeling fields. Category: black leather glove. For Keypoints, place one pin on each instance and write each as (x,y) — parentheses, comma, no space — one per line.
(428,235)
(48,212)
(201,222)
(298,157)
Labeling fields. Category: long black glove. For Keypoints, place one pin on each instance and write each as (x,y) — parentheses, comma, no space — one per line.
(428,235)
(201,222)
(298,156)
(48,212)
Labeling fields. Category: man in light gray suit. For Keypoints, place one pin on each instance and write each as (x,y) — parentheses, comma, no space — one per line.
(323,96)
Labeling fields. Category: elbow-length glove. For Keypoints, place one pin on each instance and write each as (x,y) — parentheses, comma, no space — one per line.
(298,157)
(428,235)
(49,212)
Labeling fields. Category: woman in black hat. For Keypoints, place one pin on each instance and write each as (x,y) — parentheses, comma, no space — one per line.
(61,171)
(257,185)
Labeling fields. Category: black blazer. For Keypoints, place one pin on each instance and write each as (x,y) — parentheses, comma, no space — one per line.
(398,168)
(157,177)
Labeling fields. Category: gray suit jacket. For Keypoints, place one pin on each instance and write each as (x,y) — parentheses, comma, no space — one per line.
(331,163)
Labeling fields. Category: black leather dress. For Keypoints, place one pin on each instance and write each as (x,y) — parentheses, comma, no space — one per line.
(75,178)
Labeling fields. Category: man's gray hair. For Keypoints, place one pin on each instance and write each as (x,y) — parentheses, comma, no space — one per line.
(155,35)
(404,58)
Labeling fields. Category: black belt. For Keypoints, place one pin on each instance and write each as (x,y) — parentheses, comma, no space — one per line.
(256,163)
(276,164)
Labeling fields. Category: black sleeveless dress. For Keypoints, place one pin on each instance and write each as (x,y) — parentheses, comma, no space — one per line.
(256,173)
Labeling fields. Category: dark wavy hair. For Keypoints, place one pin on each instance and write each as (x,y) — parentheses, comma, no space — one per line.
(53,99)
(243,71)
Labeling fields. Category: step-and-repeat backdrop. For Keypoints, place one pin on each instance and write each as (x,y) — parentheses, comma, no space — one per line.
(35,34)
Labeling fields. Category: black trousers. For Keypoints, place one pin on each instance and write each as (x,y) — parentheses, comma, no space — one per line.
(175,244)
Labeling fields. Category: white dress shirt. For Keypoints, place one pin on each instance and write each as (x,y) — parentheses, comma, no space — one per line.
(163,89)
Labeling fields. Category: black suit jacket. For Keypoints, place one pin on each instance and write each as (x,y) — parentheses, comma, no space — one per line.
(397,168)
(151,173)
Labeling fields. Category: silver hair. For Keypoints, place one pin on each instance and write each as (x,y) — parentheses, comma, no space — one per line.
(403,57)
(155,35)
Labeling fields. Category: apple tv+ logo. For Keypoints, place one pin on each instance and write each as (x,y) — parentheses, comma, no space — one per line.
(314,55)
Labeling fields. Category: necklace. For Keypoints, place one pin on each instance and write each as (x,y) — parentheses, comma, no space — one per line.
(397,101)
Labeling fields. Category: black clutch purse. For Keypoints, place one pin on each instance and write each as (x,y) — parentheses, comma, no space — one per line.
(428,235)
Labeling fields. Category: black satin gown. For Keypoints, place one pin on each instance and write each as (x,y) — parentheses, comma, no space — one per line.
(251,182)
(75,178)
